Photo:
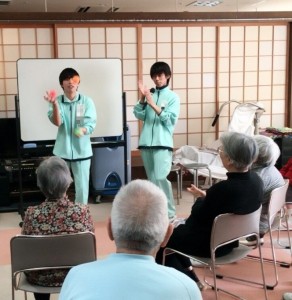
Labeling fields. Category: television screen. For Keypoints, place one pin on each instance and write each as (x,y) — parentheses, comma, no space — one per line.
(8,138)
(8,143)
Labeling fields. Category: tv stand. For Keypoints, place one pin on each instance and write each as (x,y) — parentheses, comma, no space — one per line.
(9,183)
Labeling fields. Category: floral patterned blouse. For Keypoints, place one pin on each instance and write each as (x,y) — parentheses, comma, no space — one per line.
(55,217)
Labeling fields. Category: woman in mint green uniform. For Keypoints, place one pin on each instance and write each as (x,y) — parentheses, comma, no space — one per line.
(75,116)
(159,110)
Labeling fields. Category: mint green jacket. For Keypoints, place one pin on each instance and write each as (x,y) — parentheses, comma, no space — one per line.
(157,131)
(68,145)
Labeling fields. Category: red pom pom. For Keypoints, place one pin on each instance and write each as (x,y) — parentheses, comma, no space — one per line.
(53,94)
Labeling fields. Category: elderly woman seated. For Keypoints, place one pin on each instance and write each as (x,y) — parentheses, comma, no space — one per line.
(264,166)
(240,193)
(56,215)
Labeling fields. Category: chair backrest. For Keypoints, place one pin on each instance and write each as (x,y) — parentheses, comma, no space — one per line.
(277,200)
(51,251)
(230,227)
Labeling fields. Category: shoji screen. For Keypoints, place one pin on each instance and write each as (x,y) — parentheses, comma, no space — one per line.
(18,43)
(211,63)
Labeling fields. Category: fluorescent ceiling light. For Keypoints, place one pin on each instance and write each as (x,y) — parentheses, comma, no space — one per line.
(209,3)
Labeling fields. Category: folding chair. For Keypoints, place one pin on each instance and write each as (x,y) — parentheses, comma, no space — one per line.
(228,228)
(177,169)
(277,208)
(283,226)
(205,161)
(31,252)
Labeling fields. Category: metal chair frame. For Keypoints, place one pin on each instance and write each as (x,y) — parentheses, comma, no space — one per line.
(49,252)
(228,228)
(277,208)
(178,171)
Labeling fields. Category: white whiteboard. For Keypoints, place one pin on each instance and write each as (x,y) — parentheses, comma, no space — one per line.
(100,79)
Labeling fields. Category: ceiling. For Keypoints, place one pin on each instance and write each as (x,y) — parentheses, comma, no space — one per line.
(142,6)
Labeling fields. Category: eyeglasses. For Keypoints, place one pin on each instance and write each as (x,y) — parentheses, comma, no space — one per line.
(220,150)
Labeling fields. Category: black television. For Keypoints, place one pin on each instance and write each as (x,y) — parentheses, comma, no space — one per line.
(8,138)
(8,143)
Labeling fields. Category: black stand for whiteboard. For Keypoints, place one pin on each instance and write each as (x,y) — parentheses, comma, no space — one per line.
(125,128)
(20,204)
(121,143)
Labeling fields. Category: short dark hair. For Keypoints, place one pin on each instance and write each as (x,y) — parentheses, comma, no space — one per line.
(67,73)
(160,67)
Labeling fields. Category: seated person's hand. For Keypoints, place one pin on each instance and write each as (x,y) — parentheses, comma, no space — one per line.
(196,191)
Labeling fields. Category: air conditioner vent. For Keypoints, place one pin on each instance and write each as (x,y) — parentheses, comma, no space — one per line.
(5,2)
(83,9)
(95,9)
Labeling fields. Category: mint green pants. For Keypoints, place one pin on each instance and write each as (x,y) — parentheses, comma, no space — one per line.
(157,164)
(80,170)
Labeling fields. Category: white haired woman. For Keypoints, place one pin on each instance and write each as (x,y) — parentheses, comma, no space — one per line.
(56,215)
(241,193)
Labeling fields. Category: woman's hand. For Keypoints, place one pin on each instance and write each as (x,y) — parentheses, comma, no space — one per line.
(51,96)
(143,88)
(80,131)
(146,95)
(196,191)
